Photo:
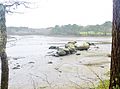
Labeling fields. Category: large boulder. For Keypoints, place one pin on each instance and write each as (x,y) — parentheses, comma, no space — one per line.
(66,50)
(83,46)
(71,47)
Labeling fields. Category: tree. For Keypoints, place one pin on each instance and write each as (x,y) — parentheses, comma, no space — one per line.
(106,27)
(115,54)
(3,40)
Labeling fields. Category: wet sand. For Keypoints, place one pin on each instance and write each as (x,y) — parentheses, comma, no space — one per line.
(30,66)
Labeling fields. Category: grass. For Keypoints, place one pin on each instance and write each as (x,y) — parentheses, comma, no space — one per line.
(100,85)
(106,82)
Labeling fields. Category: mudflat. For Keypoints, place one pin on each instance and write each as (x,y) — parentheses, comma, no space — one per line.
(31,66)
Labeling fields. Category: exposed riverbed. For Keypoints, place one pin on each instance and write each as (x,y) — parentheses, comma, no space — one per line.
(30,65)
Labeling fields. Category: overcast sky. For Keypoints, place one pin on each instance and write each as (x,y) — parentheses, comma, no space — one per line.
(47,13)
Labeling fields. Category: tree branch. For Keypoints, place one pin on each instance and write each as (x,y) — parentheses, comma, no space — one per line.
(18,3)
(10,6)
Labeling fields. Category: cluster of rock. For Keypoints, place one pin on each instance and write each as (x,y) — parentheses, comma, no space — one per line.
(70,48)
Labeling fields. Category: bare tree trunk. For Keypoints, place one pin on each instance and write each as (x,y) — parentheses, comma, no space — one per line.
(5,71)
(3,56)
(115,58)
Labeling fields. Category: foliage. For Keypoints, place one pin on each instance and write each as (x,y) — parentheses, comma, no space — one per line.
(90,30)
(74,30)
(106,83)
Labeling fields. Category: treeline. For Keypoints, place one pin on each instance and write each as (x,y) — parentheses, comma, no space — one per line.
(65,30)
(90,30)
(27,31)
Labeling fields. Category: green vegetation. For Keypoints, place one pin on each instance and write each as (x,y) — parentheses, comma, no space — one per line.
(90,30)
(103,86)
(66,30)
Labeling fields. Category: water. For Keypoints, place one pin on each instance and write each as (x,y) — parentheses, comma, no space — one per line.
(30,53)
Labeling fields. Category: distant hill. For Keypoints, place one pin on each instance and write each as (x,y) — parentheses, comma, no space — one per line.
(27,31)
(65,30)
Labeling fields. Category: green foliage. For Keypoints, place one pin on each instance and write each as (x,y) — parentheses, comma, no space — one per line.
(116,87)
(101,86)
(65,30)
(90,30)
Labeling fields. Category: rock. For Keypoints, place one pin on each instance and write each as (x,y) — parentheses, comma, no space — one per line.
(58,70)
(102,66)
(72,42)
(96,47)
(72,50)
(61,52)
(53,47)
(17,67)
(50,62)
(66,50)
(78,54)
(71,47)
(15,58)
(83,46)
(108,55)
(31,62)
(56,55)
(91,43)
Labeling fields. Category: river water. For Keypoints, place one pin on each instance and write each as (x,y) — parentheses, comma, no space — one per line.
(30,67)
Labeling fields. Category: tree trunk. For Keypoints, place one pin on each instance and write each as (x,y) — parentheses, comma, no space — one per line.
(5,71)
(115,54)
(3,56)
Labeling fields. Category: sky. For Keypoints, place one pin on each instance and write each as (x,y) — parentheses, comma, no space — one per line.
(48,13)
